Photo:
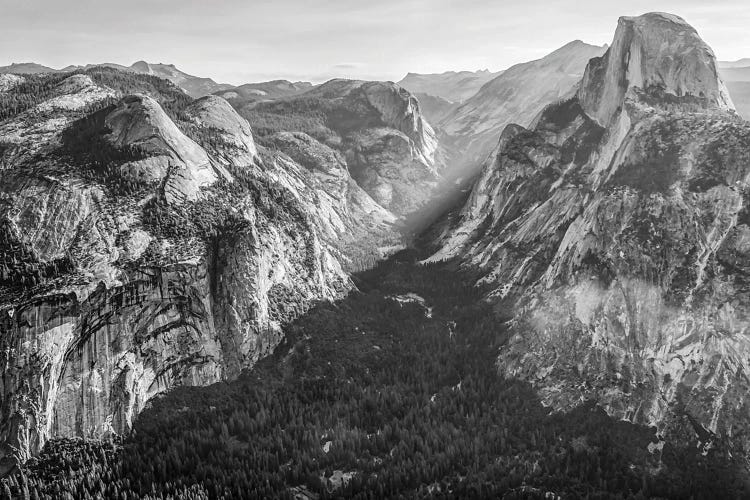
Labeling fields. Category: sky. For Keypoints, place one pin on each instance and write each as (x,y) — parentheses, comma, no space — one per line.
(239,41)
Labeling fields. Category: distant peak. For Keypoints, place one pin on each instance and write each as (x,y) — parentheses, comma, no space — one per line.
(575,46)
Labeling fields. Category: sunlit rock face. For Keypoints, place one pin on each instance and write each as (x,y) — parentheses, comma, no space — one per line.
(345,210)
(389,148)
(230,137)
(397,163)
(172,158)
(616,230)
(177,265)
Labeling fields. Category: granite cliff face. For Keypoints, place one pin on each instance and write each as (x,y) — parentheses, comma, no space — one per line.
(170,158)
(389,148)
(617,230)
(147,245)
(654,50)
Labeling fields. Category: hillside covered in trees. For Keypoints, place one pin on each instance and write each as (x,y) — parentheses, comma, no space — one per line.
(391,392)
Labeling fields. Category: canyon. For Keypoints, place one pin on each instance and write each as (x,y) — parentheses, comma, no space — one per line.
(160,230)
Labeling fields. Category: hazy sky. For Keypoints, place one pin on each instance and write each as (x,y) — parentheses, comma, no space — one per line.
(238,41)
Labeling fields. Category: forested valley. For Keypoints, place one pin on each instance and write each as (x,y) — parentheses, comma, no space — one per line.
(392,392)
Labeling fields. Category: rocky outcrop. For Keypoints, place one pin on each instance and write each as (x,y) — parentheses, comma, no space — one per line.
(615,230)
(171,158)
(345,212)
(174,264)
(230,138)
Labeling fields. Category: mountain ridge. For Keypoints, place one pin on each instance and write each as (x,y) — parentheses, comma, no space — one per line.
(454,86)
(159,213)
(608,228)
(195,86)
(515,96)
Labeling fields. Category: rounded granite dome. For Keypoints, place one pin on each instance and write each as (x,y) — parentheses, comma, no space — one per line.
(655,50)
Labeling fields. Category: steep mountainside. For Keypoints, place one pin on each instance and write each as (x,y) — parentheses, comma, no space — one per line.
(147,242)
(453,86)
(618,229)
(195,86)
(518,95)
(376,127)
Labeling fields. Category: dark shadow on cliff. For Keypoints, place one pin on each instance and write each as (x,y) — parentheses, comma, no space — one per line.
(391,392)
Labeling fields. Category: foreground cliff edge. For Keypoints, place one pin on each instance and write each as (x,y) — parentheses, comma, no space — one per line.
(148,242)
(617,227)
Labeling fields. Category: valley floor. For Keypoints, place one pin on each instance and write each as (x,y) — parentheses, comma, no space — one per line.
(381,395)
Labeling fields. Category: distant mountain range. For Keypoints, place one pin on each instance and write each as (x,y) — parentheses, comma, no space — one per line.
(616,227)
(195,86)
(439,94)
(517,95)
(453,86)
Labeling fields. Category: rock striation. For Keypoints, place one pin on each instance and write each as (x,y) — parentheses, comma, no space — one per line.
(616,231)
